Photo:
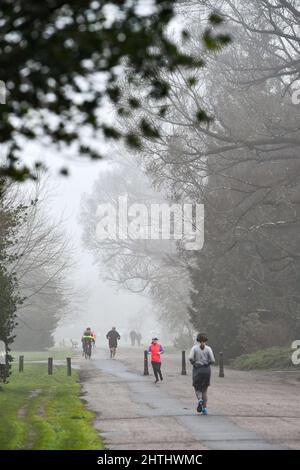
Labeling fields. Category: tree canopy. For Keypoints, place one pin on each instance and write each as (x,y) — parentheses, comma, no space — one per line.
(61,62)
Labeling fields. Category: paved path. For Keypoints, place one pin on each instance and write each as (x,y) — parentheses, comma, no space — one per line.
(134,413)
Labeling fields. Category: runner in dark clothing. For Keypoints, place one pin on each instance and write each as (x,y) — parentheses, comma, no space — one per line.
(201,357)
(113,337)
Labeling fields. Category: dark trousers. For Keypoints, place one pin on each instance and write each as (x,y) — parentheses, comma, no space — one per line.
(156,369)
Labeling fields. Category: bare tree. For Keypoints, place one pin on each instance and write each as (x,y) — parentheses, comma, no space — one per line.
(40,260)
(147,267)
(243,164)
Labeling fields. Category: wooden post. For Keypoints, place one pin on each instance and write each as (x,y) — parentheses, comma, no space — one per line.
(221,364)
(146,369)
(183,361)
(69,366)
(21,363)
(50,365)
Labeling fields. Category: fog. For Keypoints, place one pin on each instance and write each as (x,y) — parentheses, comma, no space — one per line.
(150,184)
(95,303)
(226,139)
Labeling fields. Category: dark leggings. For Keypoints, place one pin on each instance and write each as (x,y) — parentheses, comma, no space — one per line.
(156,369)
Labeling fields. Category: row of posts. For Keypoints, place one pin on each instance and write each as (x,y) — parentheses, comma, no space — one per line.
(50,365)
(146,368)
(183,364)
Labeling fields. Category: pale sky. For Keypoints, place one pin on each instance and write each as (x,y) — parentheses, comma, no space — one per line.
(101,305)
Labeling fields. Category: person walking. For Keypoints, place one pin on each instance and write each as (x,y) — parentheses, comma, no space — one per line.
(139,339)
(113,337)
(156,350)
(201,357)
(132,335)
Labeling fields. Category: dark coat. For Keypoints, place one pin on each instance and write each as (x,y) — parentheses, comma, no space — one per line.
(113,337)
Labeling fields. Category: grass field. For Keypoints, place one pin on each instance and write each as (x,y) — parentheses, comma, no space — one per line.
(45,412)
(43,355)
(276,358)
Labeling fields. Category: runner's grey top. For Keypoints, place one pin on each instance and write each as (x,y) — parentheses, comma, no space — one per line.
(202,356)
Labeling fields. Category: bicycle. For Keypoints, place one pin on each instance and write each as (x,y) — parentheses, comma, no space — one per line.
(87,349)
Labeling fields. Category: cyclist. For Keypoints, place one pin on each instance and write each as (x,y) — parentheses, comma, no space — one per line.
(94,338)
(87,340)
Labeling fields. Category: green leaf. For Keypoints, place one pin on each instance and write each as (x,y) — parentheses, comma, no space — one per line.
(202,116)
(134,103)
(110,132)
(215,19)
(133,141)
(148,130)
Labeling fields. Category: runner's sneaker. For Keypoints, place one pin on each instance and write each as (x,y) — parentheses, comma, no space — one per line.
(199,407)
(205,411)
